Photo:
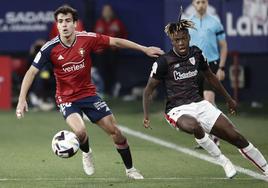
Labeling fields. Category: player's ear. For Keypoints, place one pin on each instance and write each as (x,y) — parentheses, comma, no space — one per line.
(75,24)
(57,24)
(171,40)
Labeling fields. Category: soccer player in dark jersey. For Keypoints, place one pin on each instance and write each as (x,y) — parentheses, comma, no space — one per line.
(69,54)
(185,109)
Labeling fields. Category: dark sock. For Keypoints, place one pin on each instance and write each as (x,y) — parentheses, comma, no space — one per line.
(126,157)
(85,146)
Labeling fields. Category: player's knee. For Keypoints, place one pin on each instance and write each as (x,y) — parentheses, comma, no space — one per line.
(117,135)
(197,128)
(81,134)
(190,126)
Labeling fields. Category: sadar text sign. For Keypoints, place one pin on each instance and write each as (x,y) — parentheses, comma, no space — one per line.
(23,22)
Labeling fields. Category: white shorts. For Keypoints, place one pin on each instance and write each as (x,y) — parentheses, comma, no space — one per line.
(204,112)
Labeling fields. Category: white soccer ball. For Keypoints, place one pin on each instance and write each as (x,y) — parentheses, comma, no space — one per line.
(65,144)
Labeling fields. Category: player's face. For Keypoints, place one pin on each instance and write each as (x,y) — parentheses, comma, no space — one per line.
(200,6)
(180,42)
(66,24)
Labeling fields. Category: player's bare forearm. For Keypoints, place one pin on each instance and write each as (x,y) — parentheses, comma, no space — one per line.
(27,82)
(124,43)
(212,79)
(146,102)
(147,97)
(22,105)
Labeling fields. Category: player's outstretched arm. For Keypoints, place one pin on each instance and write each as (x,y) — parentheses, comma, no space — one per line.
(212,79)
(22,105)
(123,43)
(147,96)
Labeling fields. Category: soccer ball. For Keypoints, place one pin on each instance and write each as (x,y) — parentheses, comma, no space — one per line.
(65,144)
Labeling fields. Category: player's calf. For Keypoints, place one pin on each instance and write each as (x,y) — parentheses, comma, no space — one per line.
(124,151)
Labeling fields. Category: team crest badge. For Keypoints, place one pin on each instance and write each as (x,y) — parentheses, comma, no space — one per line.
(82,52)
(192,60)
(177,65)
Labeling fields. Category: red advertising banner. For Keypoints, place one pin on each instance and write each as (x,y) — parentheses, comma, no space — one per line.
(5,83)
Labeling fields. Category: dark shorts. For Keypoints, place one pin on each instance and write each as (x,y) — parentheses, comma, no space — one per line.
(204,85)
(93,107)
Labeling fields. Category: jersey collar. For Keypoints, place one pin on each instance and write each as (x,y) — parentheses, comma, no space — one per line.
(174,51)
(202,18)
(65,46)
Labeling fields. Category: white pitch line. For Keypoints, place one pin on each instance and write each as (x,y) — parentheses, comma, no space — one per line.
(116,179)
(188,151)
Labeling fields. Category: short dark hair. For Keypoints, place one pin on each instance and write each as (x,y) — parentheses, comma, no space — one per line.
(65,9)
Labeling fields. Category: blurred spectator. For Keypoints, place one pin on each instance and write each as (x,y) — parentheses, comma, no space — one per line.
(107,60)
(43,82)
(109,24)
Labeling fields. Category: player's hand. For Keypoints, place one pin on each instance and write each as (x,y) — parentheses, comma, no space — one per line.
(220,74)
(21,108)
(153,51)
(232,105)
(146,123)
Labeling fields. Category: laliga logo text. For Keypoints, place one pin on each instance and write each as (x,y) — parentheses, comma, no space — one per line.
(73,66)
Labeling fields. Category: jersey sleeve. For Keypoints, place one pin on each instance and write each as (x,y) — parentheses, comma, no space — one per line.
(203,66)
(41,58)
(220,34)
(98,42)
(201,58)
(159,69)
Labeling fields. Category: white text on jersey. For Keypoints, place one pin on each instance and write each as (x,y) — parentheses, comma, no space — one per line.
(73,66)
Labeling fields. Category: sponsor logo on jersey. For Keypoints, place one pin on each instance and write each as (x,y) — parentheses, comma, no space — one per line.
(37,57)
(154,69)
(60,57)
(73,66)
(82,52)
(177,65)
(192,60)
(181,76)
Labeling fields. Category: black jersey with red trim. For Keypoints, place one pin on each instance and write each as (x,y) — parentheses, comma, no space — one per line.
(72,65)
(179,75)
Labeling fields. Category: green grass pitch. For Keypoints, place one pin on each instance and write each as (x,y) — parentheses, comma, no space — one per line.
(26,158)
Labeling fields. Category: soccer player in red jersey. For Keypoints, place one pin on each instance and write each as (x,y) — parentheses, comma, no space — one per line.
(186,110)
(69,54)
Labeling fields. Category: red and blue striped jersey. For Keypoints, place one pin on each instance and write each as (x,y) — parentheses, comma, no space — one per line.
(72,65)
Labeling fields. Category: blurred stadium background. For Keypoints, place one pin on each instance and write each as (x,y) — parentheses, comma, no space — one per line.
(22,142)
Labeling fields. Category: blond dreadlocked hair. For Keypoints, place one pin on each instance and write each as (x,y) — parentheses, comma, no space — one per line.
(183,25)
